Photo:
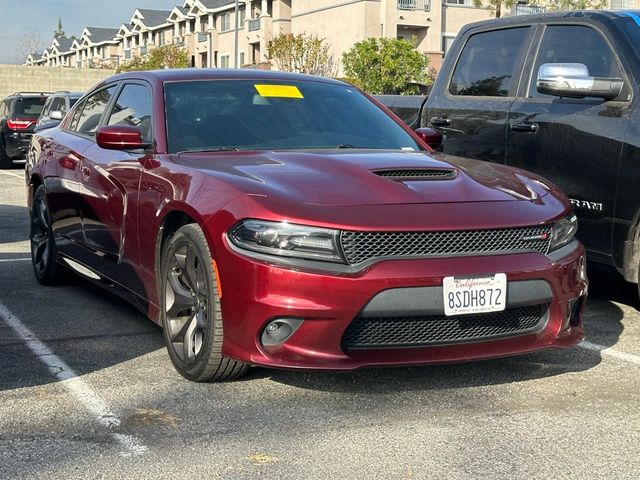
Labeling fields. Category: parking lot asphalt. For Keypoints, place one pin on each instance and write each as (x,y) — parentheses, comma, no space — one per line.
(87,391)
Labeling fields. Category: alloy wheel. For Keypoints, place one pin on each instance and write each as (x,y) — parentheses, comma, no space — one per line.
(186,303)
(40,235)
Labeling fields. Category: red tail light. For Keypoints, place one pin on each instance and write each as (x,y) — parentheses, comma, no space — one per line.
(19,124)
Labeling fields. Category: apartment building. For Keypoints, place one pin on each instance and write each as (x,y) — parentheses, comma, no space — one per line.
(207,29)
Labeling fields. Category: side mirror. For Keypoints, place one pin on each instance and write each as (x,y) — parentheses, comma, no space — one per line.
(56,115)
(120,137)
(430,136)
(573,80)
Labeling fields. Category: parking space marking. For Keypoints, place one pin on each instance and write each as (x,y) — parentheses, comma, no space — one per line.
(9,260)
(74,384)
(16,175)
(627,357)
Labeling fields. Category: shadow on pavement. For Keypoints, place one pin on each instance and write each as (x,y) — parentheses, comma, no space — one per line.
(14,223)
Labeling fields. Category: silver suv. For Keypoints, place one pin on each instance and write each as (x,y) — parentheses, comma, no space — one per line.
(58,104)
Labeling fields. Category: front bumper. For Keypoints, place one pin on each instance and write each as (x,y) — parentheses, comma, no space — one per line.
(256,292)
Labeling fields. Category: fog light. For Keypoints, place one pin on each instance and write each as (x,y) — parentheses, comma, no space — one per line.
(279,330)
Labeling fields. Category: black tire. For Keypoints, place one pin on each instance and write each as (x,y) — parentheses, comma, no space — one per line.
(43,246)
(5,161)
(190,309)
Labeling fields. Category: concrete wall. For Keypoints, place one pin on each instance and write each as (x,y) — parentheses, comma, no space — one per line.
(16,78)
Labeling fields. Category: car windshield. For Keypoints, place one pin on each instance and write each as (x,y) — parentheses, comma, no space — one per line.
(29,107)
(267,115)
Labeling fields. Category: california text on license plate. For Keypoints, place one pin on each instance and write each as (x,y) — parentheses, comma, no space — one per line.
(463,295)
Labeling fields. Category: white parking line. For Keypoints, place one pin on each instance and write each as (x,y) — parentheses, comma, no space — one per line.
(17,175)
(627,357)
(74,384)
(9,260)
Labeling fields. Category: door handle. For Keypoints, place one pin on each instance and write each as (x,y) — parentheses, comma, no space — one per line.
(86,173)
(440,121)
(524,127)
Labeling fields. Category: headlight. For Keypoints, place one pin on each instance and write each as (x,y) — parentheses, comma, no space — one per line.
(287,240)
(563,231)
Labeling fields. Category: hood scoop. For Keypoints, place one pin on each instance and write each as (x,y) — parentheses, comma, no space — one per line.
(416,174)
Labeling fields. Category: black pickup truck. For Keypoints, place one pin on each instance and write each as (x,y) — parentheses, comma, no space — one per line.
(557,94)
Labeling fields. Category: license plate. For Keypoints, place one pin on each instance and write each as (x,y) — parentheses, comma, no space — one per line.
(464,295)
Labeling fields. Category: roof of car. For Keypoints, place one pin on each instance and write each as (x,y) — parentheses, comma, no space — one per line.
(183,74)
(572,14)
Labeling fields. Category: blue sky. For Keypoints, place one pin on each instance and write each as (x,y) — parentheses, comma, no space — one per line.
(41,16)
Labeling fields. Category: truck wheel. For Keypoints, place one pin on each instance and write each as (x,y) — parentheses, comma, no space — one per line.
(190,309)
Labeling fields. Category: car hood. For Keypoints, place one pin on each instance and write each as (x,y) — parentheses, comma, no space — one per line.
(367,177)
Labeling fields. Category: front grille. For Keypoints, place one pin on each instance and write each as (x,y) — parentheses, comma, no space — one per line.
(360,247)
(402,332)
(417,174)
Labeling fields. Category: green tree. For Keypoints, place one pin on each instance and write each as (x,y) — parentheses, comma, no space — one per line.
(495,5)
(386,65)
(302,53)
(168,56)
(560,5)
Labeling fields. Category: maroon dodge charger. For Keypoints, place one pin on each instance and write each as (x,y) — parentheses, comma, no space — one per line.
(291,221)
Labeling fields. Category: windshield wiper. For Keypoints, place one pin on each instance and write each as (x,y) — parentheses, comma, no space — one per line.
(346,145)
(221,149)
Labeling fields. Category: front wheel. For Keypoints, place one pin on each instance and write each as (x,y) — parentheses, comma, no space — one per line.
(190,309)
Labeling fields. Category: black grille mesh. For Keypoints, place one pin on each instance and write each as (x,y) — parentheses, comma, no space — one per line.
(399,332)
(417,174)
(359,247)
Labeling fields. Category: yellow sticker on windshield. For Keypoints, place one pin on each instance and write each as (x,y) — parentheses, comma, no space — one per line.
(279,91)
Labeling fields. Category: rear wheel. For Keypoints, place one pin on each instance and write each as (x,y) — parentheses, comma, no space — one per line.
(43,245)
(190,309)
(5,161)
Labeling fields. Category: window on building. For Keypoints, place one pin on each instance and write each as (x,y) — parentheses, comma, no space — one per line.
(575,44)
(133,108)
(459,2)
(204,23)
(242,16)
(240,59)
(488,64)
(87,117)
(225,61)
(161,38)
(447,41)
(225,22)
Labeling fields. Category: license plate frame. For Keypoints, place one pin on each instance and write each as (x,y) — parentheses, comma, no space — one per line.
(466,295)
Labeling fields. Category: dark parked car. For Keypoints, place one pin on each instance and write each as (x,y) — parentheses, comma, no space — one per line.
(556,94)
(18,115)
(288,221)
(56,107)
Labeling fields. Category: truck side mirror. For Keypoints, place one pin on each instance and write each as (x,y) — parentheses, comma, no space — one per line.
(573,80)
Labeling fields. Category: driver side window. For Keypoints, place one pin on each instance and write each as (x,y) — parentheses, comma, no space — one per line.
(575,44)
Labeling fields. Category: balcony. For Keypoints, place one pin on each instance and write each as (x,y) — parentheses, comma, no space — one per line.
(144,50)
(529,9)
(178,41)
(254,24)
(127,54)
(414,5)
(203,37)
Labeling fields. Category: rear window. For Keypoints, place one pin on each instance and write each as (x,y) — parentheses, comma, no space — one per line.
(28,107)
(268,115)
(488,64)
